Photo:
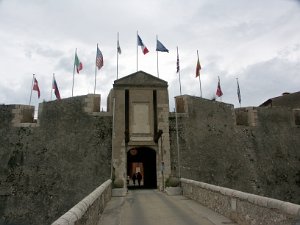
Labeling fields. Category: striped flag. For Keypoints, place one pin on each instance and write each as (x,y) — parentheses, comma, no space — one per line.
(55,87)
(78,64)
(238,91)
(36,87)
(219,92)
(140,43)
(99,59)
(198,68)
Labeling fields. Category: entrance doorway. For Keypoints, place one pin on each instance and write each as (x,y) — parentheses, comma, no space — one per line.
(141,160)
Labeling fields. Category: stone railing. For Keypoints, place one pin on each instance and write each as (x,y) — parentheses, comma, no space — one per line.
(241,207)
(88,211)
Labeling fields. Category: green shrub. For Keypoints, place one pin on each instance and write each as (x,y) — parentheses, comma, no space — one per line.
(118,183)
(172,182)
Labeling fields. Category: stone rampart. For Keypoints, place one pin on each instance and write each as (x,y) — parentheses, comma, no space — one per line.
(241,207)
(88,211)
(49,165)
(255,150)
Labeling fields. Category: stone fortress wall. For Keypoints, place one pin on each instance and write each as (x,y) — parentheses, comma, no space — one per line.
(49,165)
(254,150)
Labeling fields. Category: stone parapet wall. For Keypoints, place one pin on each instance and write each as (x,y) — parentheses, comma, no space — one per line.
(261,158)
(92,103)
(243,208)
(89,210)
(48,168)
(23,116)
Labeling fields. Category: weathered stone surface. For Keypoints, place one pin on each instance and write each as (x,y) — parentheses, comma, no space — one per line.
(252,210)
(50,168)
(262,158)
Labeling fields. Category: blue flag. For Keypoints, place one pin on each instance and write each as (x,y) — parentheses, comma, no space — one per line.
(160,47)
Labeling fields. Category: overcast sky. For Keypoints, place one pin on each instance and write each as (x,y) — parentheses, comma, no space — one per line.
(256,41)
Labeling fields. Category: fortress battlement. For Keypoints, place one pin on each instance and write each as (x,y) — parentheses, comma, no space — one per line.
(23,115)
(244,116)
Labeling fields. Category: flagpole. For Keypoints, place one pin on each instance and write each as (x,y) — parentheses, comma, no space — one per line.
(74,72)
(178,71)
(177,139)
(200,87)
(95,70)
(31,88)
(199,78)
(137,52)
(157,58)
(117,55)
(52,86)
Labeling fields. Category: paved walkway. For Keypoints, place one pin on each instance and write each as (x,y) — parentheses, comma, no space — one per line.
(152,207)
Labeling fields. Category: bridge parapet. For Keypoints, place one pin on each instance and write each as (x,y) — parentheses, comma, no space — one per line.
(243,208)
(88,211)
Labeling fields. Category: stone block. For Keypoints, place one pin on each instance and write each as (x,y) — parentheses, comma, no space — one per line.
(119,192)
(174,190)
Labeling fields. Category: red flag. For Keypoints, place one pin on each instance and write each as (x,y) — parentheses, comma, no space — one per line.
(219,92)
(198,68)
(99,59)
(78,63)
(140,43)
(55,87)
(36,87)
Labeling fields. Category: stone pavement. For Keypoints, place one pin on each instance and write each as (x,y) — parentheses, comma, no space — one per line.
(149,207)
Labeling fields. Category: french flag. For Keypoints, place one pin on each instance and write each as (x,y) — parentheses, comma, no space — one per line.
(55,87)
(140,43)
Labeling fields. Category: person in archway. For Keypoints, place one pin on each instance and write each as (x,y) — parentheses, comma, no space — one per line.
(134,177)
(139,178)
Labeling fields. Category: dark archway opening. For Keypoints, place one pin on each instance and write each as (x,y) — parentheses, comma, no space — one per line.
(141,160)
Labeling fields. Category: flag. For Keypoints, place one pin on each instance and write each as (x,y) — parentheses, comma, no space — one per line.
(119,48)
(55,87)
(36,87)
(198,68)
(99,59)
(140,43)
(177,64)
(219,92)
(78,64)
(238,91)
(160,47)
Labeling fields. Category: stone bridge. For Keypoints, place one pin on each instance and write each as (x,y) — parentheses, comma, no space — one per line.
(198,203)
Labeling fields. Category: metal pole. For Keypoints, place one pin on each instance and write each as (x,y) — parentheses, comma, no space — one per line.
(113,129)
(177,139)
(162,163)
(52,85)
(96,70)
(31,88)
(157,58)
(137,52)
(179,71)
(117,55)
(74,71)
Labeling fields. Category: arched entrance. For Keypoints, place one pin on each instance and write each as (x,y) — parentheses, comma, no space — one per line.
(142,160)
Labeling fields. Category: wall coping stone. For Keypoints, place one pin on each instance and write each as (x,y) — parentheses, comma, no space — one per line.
(286,207)
(75,213)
